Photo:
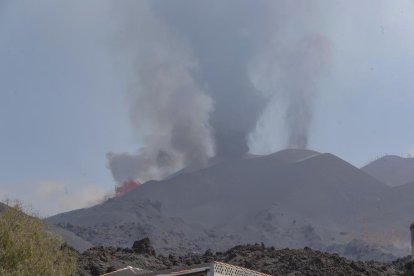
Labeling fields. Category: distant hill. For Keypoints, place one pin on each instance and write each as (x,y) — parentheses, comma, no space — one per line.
(3,207)
(392,170)
(71,238)
(292,198)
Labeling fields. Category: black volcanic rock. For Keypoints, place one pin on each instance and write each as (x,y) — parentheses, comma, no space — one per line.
(143,247)
(257,257)
(360,250)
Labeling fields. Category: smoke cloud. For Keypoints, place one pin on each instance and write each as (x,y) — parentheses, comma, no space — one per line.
(224,35)
(289,66)
(168,108)
(293,74)
(306,64)
(203,72)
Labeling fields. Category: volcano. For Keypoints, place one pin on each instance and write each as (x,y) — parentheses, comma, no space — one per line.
(292,198)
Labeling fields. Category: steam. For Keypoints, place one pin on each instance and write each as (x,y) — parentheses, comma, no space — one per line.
(202,73)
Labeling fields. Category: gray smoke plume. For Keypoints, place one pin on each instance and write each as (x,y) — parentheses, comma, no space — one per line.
(168,108)
(203,71)
(228,36)
(309,62)
(300,67)
(223,35)
(290,64)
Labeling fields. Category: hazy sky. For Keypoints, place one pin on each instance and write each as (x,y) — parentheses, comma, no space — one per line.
(63,101)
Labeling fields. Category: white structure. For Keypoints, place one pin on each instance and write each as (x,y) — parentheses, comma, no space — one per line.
(209,269)
(129,270)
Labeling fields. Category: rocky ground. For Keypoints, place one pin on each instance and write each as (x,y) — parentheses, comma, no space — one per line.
(296,262)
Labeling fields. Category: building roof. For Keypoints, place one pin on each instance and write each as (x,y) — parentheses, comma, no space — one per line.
(218,268)
(127,271)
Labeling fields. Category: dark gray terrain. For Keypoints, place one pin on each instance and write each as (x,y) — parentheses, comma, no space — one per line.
(293,198)
(392,170)
(299,262)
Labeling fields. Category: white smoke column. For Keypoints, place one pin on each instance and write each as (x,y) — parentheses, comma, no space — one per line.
(289,67)
(169,110)
(302,68)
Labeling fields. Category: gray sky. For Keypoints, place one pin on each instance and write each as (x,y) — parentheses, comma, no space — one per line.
(63,101)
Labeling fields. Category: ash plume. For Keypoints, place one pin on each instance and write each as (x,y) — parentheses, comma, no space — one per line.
(223,35)
(290,66)
(306,64)
(168,108)
(202,72)
(228,37)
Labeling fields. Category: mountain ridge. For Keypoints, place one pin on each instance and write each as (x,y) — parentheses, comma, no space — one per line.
(393,170)
(291,198)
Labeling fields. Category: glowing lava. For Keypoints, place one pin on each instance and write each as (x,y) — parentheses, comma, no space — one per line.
(126,187)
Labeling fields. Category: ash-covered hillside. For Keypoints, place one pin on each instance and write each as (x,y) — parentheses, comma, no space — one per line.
(293,198)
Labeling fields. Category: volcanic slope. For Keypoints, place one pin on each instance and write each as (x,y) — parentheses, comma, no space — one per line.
(392,170)
(396,215)
(292,198)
